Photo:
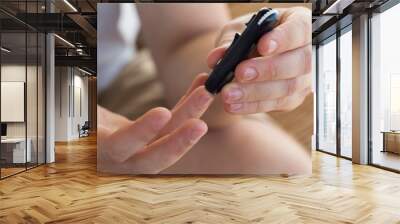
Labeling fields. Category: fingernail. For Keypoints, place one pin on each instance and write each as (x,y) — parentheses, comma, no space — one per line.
(249,74)
(272,46)
(234,93)
(235,107)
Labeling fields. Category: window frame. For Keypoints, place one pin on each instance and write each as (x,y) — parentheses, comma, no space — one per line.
(334,37)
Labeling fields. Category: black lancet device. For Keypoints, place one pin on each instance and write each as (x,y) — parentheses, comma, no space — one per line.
(261,22)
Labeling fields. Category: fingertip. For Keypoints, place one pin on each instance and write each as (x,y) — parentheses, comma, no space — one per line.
(225,94)
(203,96)
(161,111)
(245,72)
(202,75)
(201,125)
(204,91)
(201,78)
(267,45)
(215,55)
(232,93)
(198,128)
(262,45)
(239,70)
(159,117)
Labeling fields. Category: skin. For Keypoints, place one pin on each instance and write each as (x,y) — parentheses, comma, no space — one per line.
(156,140)
(265,82)
(241,137)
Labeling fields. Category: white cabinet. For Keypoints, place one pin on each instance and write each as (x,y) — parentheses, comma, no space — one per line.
(17,145)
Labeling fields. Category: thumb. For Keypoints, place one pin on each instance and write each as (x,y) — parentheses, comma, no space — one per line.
(226,37)
(216,54)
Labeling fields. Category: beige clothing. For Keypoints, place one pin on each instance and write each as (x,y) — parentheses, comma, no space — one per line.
(135,89)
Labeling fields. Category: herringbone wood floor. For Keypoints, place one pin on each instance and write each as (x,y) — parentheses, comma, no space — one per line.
(70,191)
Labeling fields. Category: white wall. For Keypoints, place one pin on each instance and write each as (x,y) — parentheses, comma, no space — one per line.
(70,83)
(62,81)
(12,73)
(33,126)
(12,100)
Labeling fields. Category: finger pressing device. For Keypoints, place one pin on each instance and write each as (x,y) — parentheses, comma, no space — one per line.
(262,22)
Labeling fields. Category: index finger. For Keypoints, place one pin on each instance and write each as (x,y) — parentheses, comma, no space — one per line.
(193,106)
(294,31)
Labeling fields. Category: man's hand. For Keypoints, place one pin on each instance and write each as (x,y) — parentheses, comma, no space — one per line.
(277,76)
(156,140)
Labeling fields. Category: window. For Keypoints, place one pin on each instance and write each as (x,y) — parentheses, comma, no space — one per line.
(346,92)
(327,96)
(334,138)
(385,89)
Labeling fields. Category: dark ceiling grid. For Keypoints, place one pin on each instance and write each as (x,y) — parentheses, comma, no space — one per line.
(80,26)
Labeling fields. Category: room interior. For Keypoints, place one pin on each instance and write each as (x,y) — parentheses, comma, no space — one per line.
(25,67)
(354,136)
(336,83)
(22,101)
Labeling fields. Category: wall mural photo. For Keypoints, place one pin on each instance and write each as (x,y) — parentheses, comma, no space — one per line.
(210,94)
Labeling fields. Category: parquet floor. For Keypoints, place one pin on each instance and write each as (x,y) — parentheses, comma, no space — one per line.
(10,171)
(70,191)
